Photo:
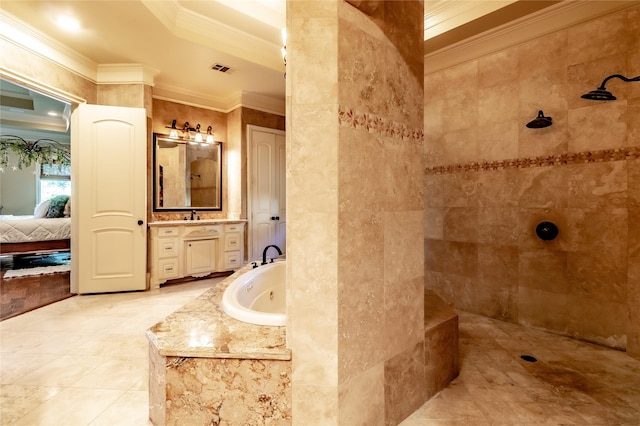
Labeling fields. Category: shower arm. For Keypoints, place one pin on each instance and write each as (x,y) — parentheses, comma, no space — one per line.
(621,77)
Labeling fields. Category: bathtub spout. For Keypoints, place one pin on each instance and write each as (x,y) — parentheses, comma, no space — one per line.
(264,253)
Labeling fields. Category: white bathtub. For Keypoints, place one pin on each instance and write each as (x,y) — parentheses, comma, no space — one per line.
(258,296)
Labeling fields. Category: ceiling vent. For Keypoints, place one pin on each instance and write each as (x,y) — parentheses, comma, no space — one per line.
(220,67)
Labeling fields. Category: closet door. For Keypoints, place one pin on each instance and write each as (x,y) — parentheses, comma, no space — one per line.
(267,190)
(108,180)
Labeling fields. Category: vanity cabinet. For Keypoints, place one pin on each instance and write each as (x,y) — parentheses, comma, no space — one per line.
(194,249)
(233,246)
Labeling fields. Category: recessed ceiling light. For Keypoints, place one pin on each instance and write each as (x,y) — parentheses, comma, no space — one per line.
(68,23)
(52,113)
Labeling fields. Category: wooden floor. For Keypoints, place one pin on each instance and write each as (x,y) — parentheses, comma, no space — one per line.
(23,294)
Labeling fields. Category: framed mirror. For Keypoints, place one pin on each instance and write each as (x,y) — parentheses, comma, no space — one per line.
(186,174)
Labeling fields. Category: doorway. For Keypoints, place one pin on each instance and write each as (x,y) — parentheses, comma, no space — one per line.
(267,190)
(34,197)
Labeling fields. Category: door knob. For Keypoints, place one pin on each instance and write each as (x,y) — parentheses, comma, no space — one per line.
(140,222)
(275,217)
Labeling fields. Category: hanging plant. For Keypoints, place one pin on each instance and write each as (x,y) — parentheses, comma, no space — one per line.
(41,151)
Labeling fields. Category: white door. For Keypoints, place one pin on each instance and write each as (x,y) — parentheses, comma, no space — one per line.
(108,201)
(267,190)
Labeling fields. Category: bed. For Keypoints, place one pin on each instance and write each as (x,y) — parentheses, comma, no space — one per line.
(48,230)
(29,234)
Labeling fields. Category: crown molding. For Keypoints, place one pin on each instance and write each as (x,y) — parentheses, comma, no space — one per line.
(443,15)
(258,102)
(221,104)
(126,74)
(45,89)
(546,21)
(190,98)
(200,29)
(20,34)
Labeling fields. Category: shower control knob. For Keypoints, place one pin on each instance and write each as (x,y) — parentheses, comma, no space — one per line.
(547,231)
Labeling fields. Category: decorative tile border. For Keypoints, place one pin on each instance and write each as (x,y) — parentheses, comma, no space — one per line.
(601,156)
(379,126)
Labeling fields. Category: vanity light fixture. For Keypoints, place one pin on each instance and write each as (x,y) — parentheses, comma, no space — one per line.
(601,94)
(173,133)
(184,133)
(283,50)
(540,121)
(209,135)
(198,137)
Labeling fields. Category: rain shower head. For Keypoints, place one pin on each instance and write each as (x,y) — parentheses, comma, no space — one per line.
(540,121)
(601,94)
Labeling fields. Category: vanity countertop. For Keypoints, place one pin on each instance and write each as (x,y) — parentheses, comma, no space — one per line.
(194,222)
(201,329)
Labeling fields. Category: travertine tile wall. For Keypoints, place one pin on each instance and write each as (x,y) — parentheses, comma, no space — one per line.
(490,180)
(355,211)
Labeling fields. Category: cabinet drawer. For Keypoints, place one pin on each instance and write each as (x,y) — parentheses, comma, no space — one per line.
(232,242)
(168,268)
(168,232)
(232,260)
(235,227)
(167,247)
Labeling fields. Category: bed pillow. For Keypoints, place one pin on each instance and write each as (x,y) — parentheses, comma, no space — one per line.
(41,209)
(56,207)
(67,209)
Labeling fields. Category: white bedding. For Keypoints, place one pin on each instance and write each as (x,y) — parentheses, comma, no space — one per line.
(21,229)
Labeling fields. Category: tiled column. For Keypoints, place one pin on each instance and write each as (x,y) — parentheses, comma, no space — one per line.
(355,211)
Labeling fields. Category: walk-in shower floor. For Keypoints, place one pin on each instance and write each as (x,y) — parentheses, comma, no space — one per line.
(571,383)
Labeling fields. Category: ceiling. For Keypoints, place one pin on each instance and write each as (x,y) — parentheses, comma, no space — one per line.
(178,41)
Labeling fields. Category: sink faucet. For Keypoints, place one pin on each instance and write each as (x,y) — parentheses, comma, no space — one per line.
(193,214)
(264,253)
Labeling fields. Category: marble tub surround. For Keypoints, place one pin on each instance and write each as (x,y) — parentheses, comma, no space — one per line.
(205,391)
(205,367)
(489,180)
(202,329)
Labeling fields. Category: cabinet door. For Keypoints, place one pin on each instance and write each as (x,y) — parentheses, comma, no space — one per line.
(200,257)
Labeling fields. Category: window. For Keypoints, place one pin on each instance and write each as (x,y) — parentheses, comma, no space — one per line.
(54,180)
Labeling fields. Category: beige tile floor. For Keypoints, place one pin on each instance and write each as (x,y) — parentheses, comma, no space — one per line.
(83,361)
(572,382)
